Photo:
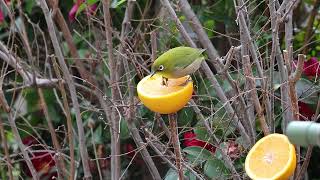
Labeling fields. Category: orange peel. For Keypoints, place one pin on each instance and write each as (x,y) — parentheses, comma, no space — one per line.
(164,99)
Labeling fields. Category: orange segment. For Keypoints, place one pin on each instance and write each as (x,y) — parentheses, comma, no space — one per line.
(164,99)
(271,158)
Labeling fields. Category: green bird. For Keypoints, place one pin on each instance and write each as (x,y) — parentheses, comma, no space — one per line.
(177,62)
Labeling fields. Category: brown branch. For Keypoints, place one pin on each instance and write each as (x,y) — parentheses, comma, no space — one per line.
(276,55)
(288,56)
(6,149)
(115,141)
(254,94)
(227,59)
(305,164)
(255,55)
(209,74)
(165,154)
(58,17)
(69,120)
(175,142)
(275,30)
(91,126)
(215,139)
(28,77)
(197,27)
(72,89)
(17,137)
(124,49)
(154,48)
(213,54)
(60,165)
(309,29)
(294,77)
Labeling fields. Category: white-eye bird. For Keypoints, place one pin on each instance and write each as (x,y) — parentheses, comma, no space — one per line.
(177,62)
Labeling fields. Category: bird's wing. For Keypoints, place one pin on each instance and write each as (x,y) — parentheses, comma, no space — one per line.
(189,59)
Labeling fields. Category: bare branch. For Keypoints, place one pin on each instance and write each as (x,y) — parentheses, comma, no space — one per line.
(209,74)
(6,149)
(69,119)
(254,94)
(17,137)
(295,76)
(27,77)
(115,141)
(72,89)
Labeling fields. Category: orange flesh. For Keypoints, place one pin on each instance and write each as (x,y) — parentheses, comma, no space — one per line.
(154,87)
(270,157)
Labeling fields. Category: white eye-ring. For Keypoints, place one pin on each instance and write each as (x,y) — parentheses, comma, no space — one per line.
(161,67)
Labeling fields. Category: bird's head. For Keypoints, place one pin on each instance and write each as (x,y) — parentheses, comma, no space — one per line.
(157,68)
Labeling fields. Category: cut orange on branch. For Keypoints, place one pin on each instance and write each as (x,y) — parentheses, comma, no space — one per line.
(164,99)
(272,158)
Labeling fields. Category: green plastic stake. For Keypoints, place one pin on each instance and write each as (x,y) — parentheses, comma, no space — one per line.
(304,133)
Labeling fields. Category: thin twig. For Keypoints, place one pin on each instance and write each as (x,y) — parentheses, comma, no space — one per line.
(294,77)
(17,137)
(175,143)
(62,24)
(154,48)
(69,120)
(255,56)
(305,164)
(60,165)
(225,157)
(309,29)
(28,77)
(6,149)
(209,74)
(124,49)
(276,55)
(115,141)
(254,94)
(72,89)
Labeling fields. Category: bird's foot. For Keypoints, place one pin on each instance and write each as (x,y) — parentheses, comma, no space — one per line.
(164,81)
(186,82)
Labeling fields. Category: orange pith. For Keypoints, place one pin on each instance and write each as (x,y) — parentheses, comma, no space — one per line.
(272,157)
(164,99)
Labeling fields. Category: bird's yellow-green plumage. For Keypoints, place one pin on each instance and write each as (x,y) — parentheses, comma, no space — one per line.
(178,62)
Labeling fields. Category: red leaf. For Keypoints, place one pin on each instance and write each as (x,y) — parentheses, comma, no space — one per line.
(305,111)
(190,140)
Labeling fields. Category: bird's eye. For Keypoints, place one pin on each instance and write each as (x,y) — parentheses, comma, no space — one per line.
(161,67)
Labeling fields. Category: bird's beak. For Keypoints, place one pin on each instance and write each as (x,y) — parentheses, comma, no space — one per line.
(153,73)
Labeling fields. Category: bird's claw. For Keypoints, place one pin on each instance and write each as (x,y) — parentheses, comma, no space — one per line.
(164,81)
(186,82)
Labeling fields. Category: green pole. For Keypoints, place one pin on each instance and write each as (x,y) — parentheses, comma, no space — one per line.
(304,133)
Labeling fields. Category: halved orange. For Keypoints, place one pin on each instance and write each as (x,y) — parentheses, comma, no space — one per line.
(273,157)
(164,99)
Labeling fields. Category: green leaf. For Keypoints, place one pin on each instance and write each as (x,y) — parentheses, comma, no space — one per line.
(91,2)
(83,6)
(171,175)
(116,3)
(201,132)
(29,5)
(97,135)
(307,91)
(190,175)
(124,131)
(215,169)
(185,116)
(198,152)
(218,153)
